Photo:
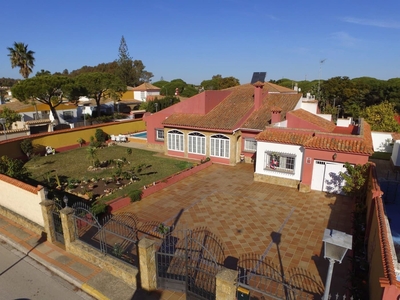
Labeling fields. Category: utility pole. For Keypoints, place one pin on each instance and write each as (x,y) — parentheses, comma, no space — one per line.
(319,76)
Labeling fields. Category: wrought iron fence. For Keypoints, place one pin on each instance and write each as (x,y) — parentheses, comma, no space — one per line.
(113,234)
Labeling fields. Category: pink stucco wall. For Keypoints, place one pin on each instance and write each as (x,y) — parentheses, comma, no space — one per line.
(199,104)
(295,122)
(250,155)
(327,156)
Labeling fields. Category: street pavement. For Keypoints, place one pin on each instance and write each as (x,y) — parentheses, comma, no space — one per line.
(21,277)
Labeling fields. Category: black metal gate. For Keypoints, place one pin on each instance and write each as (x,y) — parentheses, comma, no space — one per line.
(259,278)
(57,224)
(188,261)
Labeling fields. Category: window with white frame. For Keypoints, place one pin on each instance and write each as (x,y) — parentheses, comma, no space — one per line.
(175,140)
(219,146)
(281,162)
(196,143)
(250,144)
(68,115)
(159,134)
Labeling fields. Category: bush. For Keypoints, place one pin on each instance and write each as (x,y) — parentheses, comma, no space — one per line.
(135,195)
(99,206)
(100,136)
(26,147)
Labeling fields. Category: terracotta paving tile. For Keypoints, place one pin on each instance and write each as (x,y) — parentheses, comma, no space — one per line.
(244,214)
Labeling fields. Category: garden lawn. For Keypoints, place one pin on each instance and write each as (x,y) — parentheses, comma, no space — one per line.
(74,164)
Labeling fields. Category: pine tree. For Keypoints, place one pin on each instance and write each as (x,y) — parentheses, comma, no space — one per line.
(125,65)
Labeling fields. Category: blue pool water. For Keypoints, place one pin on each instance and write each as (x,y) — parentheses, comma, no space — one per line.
(140,135)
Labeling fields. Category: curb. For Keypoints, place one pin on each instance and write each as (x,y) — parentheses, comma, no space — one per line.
(93,292)
(72,280)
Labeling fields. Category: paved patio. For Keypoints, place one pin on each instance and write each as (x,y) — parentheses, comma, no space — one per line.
(246,214)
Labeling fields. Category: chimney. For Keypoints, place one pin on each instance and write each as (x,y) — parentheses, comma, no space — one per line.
(275,114)
(258,88)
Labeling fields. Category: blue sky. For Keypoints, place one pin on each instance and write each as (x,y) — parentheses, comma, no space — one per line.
(194,40)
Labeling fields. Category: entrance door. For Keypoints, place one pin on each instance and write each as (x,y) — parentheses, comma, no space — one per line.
(326,177)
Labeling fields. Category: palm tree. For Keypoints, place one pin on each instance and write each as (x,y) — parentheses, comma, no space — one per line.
(22,58)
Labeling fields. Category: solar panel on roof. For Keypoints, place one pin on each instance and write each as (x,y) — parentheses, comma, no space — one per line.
(258,76)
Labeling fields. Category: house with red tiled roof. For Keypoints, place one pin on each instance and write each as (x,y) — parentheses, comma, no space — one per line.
(308,151)
(141,92)
(222,124)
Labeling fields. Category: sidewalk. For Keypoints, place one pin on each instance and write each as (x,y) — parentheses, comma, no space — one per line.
(85,276)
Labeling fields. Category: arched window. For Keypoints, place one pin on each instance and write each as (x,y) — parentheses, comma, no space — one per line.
(175,140)
(196,143)
(219,146)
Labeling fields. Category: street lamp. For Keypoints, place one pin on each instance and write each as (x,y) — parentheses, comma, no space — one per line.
(156,104)
(336,244)
(65,199)
(338,111)
(3,122)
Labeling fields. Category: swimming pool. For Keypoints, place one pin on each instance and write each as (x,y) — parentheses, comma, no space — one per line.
(140,135)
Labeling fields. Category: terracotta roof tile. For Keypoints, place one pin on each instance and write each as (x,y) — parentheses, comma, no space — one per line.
(319,140)
(235,108)
(284,136)
(34,122)
(261,117)
(145,86)
(223,116)
(316,120)
(344,143)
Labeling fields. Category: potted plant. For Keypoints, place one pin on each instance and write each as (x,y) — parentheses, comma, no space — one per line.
(274,161)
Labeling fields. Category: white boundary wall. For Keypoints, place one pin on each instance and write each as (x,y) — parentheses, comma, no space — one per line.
(382,141)
(22,201)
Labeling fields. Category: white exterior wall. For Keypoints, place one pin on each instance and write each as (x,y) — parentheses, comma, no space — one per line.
(327,117)
(395,154)
(344,122)
(22,202)
(137,95)
(262,147)
(60,114)
(381,141)
(311,107)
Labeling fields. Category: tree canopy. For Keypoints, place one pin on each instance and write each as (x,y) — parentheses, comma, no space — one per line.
(10,116)
(99,85)
(47,89)
(21,58)
(217,82)
(381,117)
(170,88)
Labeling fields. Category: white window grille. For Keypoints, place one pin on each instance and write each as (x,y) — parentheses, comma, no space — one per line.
(219,146)
(281,162)
(175,140)
(196,143)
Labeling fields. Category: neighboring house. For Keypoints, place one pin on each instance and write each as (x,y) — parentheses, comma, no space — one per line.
(220,124)
(309,151)
(140,93)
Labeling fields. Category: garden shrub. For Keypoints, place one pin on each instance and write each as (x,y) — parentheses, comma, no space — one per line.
(100,136)
(135,195)
(26,147)
(98,207)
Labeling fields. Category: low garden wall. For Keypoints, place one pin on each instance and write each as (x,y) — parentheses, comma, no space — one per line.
(148,190)
(22,199)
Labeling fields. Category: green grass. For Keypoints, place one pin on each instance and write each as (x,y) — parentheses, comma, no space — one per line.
(74,164)
(381,155)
